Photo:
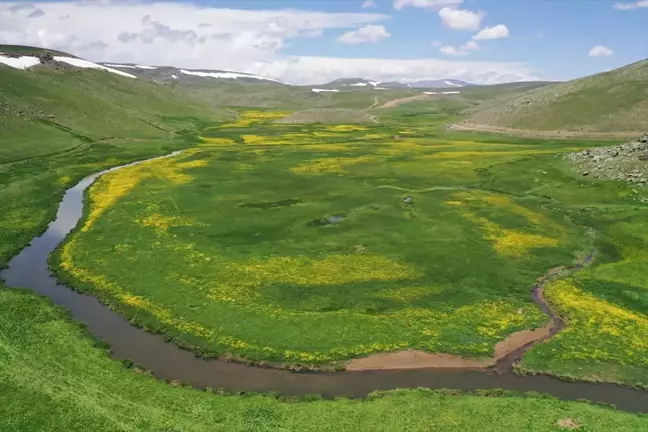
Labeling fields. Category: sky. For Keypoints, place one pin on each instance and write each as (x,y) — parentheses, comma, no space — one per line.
(316,41)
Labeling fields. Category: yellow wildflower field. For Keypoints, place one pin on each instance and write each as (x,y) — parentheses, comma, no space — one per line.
(314,245)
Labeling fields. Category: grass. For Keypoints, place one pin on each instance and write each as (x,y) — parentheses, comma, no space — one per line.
(256,264)
(58,127)
(46,111)
(450,273)
(54,378)
(29,50)
(327,116)
(606,305)
(614,101)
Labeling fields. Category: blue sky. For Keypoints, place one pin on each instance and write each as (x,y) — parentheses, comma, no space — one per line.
(554,36)
(309,40)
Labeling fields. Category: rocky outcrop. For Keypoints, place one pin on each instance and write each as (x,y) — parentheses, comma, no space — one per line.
(625,162)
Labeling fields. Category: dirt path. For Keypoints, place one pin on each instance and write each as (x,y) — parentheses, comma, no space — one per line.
(541,134)
(507,351)
(375,103)
(395,102)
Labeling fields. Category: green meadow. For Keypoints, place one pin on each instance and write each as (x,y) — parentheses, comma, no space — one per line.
(53,377)
(299,246)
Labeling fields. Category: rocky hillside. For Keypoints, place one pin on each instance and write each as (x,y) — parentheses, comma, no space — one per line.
(614,101)
(625,162)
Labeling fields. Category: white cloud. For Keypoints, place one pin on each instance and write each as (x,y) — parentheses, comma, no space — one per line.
(166,33)
(436,43)
(462,50)
(497,32)
(325,69)
(634,5)
(369,33)
(368,4)
(600,51)
(311,33)
(461,19)
(429,4)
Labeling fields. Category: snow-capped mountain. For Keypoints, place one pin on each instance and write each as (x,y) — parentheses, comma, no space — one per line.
(171,74)
(443,83)
(167,73)
(364,82)
(30,61)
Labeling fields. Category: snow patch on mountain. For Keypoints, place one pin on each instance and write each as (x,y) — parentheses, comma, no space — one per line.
(25,62)
(22,62)
(226,75)
(130,66)
(450,83)
(80,63)
(318,90)
(449,92)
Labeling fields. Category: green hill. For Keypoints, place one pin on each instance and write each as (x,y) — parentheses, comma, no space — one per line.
(614,101)
(44,110)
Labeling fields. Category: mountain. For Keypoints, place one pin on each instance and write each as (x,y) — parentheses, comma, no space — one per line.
(23,57)
(614,101)
(56,105)
(364,82)
(395,84)
(443,83)
(350,82)
(168,73)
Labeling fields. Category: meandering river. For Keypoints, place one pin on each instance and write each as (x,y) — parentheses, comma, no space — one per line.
(29,270)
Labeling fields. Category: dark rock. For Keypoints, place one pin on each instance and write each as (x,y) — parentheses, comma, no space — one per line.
(643,139)
(46,58)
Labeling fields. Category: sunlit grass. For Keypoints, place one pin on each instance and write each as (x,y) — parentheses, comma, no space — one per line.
(249,246)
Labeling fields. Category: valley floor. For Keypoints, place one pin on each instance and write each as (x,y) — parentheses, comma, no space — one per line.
(344,257)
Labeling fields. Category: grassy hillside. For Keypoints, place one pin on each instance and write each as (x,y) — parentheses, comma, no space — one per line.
(29,50)
(46,110)
(615,101)
(271,95)
(77,121)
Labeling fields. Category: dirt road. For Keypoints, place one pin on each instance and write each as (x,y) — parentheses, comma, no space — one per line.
(396,102)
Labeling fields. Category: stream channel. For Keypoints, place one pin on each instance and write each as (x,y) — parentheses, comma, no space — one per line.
(29,270)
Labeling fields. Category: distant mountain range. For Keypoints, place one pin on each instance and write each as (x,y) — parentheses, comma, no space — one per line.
(363,82)
(28,57)
(168,73)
